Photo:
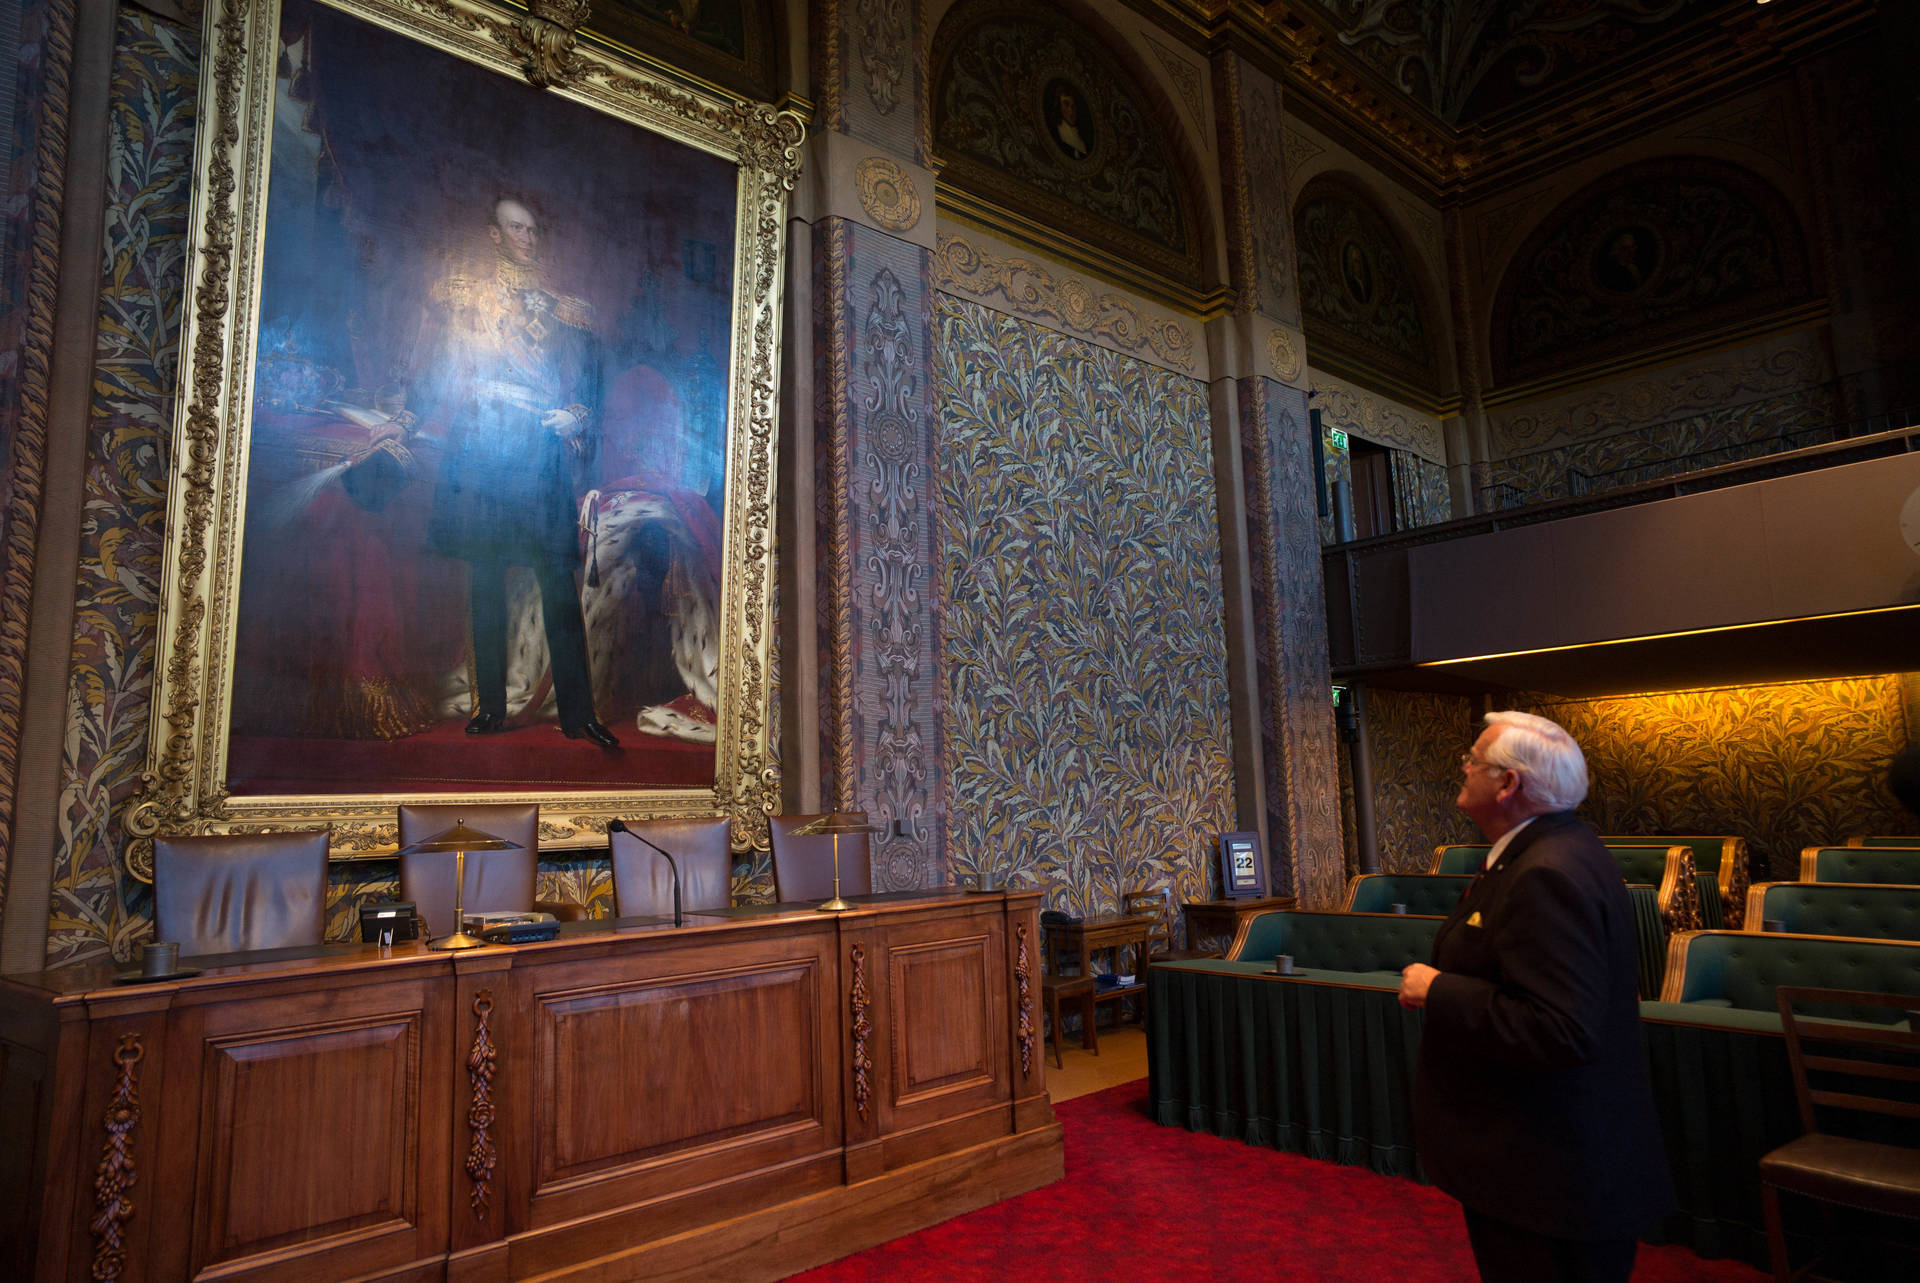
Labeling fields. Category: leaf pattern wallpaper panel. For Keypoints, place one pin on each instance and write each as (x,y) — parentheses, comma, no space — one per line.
(96,908)
(1089,735)
(1417,740)
(1788,766)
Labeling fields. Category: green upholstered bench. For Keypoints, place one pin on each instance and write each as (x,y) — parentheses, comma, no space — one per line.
(1910,839)
(1741,969)
(1886,864)
(1424,894)
(1863,910)
(1351,948)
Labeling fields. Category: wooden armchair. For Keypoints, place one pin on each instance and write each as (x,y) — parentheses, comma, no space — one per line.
(1850,1065)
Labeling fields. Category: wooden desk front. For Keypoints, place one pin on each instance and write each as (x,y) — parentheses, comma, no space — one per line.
(629,1099)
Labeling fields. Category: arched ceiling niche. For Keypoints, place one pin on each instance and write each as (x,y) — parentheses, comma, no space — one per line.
(1668,254)
(1363,301)
(1047,132)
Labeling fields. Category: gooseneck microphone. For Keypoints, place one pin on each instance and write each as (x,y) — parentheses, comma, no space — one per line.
(620,826)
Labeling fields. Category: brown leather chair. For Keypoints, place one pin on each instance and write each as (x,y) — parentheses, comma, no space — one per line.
(228,892)
(803,866)
(701,846)
(497,881)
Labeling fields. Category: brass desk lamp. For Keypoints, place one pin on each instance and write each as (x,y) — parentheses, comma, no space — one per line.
(837,823)
(459,839)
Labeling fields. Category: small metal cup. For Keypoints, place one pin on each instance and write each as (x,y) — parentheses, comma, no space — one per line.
(1397,907)
(161,958)
(1774,924)
(1284,964)
(987,881)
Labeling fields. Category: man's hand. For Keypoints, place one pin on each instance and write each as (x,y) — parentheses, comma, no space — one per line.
(1415,979)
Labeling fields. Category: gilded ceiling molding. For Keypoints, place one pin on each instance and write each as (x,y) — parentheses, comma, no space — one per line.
(1031,291)
(1374,418)
(887,193)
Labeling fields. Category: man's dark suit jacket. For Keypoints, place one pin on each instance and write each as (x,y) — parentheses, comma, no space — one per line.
(1532,1104)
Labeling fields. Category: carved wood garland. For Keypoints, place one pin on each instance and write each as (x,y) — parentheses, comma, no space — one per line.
(862,1032)
(1023,972)
(116,1174)
(481,1156)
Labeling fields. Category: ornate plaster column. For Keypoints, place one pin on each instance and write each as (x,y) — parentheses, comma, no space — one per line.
(1260,401)
(876,583)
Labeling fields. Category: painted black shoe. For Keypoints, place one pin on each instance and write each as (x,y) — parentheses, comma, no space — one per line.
(486,724)
(592,730)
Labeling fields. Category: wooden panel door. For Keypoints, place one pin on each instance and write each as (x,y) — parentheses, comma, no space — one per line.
(304,1131)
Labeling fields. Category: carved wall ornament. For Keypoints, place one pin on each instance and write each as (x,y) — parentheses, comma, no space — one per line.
(1283,354)
(185,787)
(543,39)
(1375,418)
(117,1174)
(1652,253)
(1033,291)
(1358,300)
(1023,975)
(25,469)
(1034,116)
(1184,75)
(1299,148)
(885,55)
(891,431)
(1706,386)
(481,1056)
(1758,127)
(887,193)
(857,1006)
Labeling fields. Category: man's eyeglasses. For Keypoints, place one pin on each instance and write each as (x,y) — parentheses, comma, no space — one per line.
(1468,761)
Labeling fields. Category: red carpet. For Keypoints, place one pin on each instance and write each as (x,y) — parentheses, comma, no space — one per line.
(1143,1202)
(446,759)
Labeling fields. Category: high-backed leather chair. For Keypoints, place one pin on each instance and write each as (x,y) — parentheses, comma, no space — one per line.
(497,881)
(642,882)
(803,866)
(228,892)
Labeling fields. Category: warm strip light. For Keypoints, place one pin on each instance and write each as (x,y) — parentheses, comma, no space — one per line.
(1685,632)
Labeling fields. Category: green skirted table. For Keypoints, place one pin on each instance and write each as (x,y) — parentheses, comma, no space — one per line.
(1322,1064)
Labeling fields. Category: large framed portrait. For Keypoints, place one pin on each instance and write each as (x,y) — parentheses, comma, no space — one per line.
(472,479)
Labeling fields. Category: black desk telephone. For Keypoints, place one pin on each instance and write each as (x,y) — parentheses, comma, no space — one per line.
(1055,918)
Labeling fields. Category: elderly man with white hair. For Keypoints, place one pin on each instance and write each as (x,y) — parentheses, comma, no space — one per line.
(1532,1104)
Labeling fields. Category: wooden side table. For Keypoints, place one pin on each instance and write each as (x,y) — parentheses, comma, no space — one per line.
(1219,921)
(1077,942)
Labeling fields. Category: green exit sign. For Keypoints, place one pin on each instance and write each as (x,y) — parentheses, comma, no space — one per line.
(1339,696)
(1337,437)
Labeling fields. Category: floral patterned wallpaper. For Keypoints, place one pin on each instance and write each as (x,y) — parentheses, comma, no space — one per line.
(1089,732)
(1787,766)
(96,908)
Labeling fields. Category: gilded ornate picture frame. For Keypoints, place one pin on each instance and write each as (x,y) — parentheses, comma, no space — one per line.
(472,487)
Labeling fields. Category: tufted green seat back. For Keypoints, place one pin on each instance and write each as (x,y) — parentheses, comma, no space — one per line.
(1878,912)
(1431,894)
(1358,942)
(1741,969)
(1888,864)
